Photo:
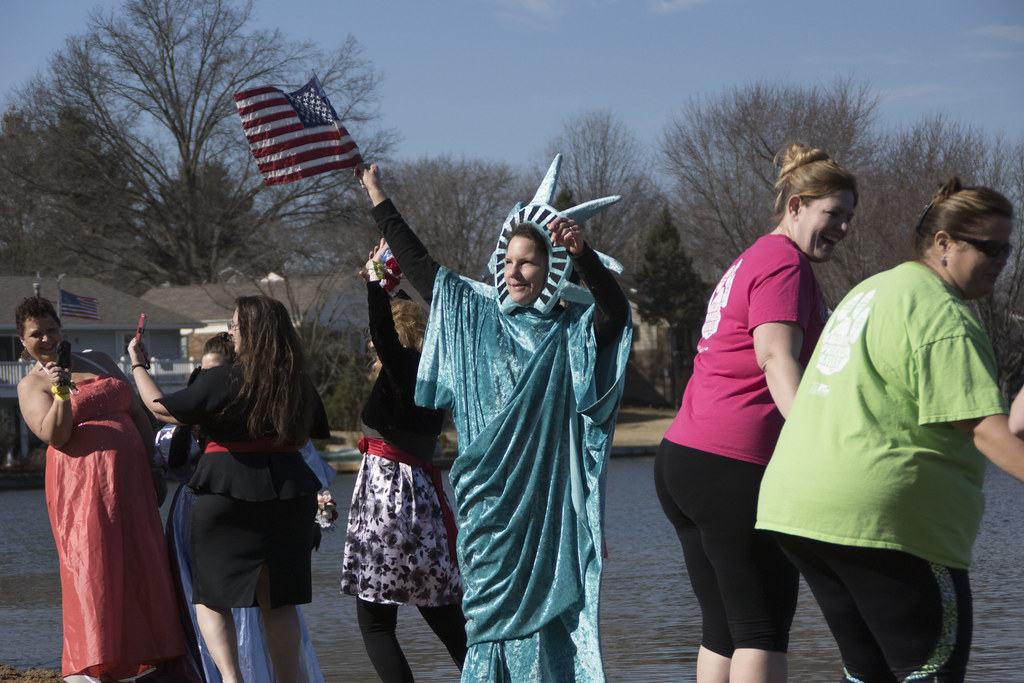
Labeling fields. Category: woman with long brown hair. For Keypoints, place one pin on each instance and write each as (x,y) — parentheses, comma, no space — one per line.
(252,523)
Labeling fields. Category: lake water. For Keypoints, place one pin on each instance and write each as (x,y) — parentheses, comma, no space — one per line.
(649,619)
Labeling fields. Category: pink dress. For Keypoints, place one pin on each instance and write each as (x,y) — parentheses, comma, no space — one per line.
(119,608)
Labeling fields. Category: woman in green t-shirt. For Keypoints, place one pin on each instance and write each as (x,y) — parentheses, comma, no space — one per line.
(874,488)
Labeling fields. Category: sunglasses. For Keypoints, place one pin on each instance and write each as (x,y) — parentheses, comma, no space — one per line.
(990,248)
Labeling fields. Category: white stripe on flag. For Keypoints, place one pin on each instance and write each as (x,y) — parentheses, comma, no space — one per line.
(310,164)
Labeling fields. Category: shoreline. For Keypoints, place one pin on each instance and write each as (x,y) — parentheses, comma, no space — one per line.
(11,674)
(18,478)
(638,432)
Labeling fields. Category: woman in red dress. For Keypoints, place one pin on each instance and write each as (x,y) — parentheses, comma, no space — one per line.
(119,609)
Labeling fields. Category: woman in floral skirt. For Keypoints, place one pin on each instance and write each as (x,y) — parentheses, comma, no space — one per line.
(401,532)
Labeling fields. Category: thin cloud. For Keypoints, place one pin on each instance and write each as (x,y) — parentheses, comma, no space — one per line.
(536,15)
(539,12)
(535,9)
(893,58)
(993,55)
(1008,32)
(920,91)
(673,6)
(898,57)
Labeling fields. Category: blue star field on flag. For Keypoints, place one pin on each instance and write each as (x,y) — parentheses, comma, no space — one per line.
(311,105)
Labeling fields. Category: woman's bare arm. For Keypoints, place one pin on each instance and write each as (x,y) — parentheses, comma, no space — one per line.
(49,417)
(992,436)
(777,348)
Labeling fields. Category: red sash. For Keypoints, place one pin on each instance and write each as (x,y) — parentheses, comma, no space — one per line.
(385,450)
(268,444)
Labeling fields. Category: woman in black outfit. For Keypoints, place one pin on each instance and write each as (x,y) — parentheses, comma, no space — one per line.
(400,546)
(252,523)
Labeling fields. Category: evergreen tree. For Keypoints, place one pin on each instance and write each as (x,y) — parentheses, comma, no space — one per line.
(671,291)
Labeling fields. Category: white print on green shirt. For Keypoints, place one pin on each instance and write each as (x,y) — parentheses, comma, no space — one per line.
(842,330)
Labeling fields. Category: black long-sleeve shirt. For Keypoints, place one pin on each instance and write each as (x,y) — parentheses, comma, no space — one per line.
(612,307)
(390,411)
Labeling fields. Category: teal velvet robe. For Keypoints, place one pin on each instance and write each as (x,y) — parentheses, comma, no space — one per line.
(534,404)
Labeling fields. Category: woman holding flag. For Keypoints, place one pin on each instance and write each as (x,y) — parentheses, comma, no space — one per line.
(532,370)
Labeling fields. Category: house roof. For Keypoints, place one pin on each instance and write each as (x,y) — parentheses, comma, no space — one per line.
(215,303)
(118,310)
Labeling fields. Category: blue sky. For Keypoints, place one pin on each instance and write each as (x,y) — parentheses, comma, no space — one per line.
(496,79)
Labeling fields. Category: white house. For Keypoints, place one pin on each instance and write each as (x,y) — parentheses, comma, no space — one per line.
(336,302)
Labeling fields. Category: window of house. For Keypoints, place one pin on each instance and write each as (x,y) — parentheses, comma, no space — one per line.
(10,348)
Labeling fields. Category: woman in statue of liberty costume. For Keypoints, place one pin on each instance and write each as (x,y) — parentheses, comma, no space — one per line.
(532,370)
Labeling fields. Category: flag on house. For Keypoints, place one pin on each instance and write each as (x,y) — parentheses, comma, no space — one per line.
(294,135)
(79,306)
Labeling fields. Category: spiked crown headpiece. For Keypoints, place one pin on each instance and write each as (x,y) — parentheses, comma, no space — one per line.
(537,214)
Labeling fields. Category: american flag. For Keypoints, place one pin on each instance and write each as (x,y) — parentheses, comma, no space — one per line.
(79,306)
(294,135)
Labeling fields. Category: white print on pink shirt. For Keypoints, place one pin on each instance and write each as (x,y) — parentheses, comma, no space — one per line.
(842,330)
(719,300)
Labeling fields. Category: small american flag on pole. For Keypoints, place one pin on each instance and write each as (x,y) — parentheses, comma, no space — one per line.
(294,135)
(79,306)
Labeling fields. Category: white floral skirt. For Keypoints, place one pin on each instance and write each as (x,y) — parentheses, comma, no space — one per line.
(396,549)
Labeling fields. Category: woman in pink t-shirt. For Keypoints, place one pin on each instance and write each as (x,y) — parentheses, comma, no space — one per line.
(762,323)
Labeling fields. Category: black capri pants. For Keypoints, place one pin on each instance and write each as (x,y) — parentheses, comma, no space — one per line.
(746,587)
(896,617)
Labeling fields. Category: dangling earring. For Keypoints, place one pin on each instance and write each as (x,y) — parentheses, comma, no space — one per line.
(943,261)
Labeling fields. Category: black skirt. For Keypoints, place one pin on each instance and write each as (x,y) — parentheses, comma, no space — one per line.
(232,539)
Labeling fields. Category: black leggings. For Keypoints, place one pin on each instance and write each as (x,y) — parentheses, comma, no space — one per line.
(895,616)
(746,587)
(377,622)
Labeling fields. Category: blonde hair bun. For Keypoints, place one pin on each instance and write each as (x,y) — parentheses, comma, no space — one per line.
(811,173)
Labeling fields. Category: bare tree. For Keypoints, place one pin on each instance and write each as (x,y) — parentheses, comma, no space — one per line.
(720,152)
(151,86)
(601,157)
(21,216)
(457,207)
(910,164)
(1002,314)
(906,166)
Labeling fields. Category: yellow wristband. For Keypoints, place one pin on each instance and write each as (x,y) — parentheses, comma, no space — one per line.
(61,392)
